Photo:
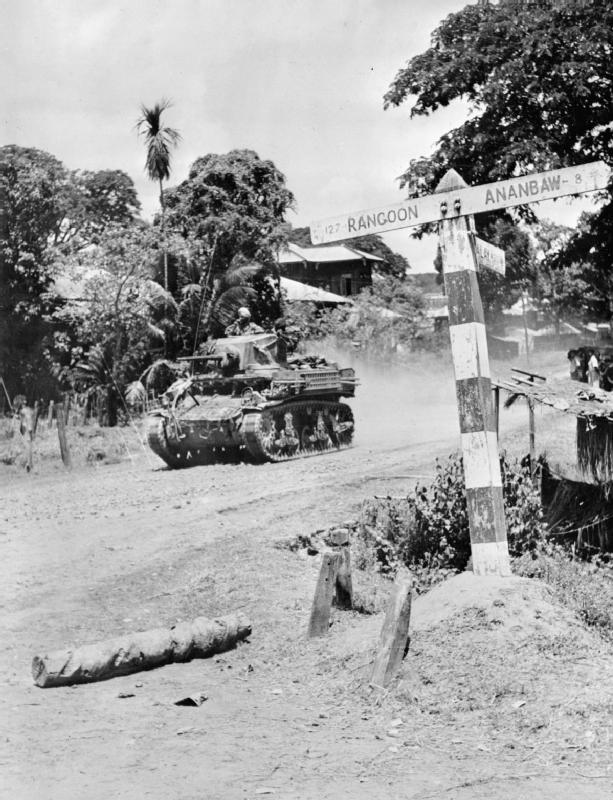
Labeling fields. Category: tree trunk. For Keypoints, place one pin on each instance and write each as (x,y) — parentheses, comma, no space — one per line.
(140,651)
(163,227)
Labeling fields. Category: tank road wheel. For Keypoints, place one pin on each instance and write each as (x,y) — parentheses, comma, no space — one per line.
(268,433)
(306,439)
(288,441)
(322,434)
(342,426)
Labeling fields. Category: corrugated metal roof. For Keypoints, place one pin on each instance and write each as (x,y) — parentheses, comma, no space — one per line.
(297,291)
(295,254)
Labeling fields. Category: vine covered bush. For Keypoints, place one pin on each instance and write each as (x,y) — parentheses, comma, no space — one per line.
(428,530)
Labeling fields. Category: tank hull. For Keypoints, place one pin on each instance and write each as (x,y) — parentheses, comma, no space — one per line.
(279,432)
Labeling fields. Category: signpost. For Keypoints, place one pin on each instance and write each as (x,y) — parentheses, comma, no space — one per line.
(489,256)
(462,253)
(472,200)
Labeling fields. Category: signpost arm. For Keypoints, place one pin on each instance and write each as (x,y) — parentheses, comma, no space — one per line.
(488,537)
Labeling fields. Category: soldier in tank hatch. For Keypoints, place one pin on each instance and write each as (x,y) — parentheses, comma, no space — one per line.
(243,326)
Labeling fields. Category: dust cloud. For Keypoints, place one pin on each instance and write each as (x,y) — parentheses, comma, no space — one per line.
(404,403)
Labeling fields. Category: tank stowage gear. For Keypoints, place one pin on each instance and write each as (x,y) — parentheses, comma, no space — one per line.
(240,401)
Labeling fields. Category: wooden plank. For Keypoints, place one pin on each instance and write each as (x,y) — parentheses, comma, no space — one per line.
(529,374)
(324,594)
(489,256)
(61,432)
(344,583)
(394,639)
(463,200)
(524,381)
(472,372)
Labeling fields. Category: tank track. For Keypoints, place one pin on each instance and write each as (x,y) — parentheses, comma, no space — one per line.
(175,457)
(156,439)
(298,429)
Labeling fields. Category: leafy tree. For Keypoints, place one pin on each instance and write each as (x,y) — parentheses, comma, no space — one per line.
(393,263)
(230,213)
(588,251)
(127,316)
(31,187)
(539,81)
(159,140)
(90,203)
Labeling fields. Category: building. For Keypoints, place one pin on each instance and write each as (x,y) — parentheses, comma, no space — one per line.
(296,292)
(337,268)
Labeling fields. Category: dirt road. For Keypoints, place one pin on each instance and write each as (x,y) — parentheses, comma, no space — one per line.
(108,550)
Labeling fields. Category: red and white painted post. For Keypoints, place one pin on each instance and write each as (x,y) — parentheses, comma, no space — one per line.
(488,535)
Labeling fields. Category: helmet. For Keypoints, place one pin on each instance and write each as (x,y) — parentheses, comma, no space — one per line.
(244,313)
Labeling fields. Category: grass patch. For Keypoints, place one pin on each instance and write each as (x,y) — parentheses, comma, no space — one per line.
(585,587)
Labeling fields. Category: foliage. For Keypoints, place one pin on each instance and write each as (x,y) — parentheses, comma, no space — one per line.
(47,215)
(127,315)
(230,211)
(588,256)
(539,82)
(159,141)
(429,529)
(584,586)
(380,319)
(31,188)
(393,264)
(92,202)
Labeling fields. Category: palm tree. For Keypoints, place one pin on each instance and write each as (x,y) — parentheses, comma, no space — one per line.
(159,139)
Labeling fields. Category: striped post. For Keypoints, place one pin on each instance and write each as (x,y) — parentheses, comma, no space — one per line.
(488,536)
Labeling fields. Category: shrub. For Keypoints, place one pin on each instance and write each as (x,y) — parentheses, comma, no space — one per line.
(586,587)
(428,530)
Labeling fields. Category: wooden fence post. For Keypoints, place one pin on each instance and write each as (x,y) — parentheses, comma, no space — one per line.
(344,583)
(394,638)
(50,414)
(324,594)
(61,432)
(488,536)
(35,417)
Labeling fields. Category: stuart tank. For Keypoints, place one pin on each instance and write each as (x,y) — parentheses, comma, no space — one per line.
(244,398)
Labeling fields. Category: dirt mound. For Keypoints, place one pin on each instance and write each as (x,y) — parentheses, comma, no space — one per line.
(512,607)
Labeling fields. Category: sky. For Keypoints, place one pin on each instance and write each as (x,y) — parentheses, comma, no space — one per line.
(301,82)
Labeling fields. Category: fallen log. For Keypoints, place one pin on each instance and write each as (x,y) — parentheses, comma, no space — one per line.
(134,652)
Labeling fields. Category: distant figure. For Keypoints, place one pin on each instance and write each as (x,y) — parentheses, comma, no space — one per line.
(576,367)
(243,325)
(287,340)
(593,370)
